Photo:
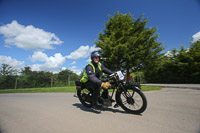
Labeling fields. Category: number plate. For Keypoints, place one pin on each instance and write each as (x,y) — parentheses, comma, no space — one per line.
(120,75)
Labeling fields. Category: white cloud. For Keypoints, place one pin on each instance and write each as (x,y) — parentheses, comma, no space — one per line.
(196,37)
(39,56)
(74,62)
(63,68)
(36,67)
(52,63)
(187,50)
(169,54)
(10,61)
(93,48)
(28,37)
(75,70)
(82,52)
(56,60)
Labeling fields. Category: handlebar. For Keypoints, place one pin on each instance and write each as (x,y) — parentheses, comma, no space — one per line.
(108,77)
(117,75)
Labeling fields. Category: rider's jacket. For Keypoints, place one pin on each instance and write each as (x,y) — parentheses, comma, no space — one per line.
(93,72)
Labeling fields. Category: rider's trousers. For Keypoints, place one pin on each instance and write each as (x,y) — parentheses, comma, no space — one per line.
(96,90)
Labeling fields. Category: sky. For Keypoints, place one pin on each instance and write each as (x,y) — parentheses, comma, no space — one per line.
(54,35)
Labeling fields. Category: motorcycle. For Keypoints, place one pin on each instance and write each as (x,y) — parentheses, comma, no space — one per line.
(128,96)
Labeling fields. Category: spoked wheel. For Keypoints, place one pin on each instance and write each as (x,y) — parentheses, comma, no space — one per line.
(132,101)
(85,97)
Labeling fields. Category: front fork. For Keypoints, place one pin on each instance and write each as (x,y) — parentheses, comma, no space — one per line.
(126,92)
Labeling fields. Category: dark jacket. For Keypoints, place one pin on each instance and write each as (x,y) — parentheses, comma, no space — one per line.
(94,77)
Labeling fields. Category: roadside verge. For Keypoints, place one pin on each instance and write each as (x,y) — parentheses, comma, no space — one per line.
(183,86)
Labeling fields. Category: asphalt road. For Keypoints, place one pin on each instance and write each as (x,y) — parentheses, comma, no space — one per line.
(170,110)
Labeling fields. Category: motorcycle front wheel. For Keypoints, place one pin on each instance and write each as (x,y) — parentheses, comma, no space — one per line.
(85,97)
(132,101)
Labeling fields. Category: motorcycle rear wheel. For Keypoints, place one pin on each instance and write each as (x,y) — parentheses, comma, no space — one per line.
(85,97)
(136,103)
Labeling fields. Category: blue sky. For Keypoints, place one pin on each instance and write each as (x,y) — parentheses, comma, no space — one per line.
(52,35)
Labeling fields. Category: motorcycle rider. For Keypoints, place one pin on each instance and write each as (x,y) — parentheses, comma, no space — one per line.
(92,73)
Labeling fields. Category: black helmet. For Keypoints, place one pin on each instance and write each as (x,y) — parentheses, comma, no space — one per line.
(95,54)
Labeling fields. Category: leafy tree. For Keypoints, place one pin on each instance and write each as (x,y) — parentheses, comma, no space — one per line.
(194,56)
(178,66)
(36,79)
(126,40)
(64,76)
(26,70)
(7,76)
(32,79)
(6,70)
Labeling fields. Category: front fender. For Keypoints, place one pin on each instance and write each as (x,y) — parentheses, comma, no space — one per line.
(132,87)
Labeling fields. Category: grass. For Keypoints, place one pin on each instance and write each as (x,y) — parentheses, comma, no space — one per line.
(38,90)
(60,89)
(150,88)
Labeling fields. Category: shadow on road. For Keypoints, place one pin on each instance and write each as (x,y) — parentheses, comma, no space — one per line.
(80,106)
(1,131)
(92,110)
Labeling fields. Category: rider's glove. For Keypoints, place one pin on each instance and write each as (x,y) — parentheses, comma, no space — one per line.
(105,85)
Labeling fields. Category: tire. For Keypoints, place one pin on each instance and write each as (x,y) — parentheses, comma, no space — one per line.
(85,97)
(131,104)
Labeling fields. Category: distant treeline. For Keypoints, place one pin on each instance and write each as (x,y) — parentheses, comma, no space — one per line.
(11,79)
(181,66)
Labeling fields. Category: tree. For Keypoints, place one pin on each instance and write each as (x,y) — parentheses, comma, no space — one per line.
(126,40)
(66,76)
(194,55)
(177,66)
(7,76)
(6,70)
(26,70)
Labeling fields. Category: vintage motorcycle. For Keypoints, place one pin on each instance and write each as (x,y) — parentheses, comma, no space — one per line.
(128,96)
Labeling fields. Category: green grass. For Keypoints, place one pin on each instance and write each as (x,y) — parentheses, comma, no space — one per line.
(35,90)
(60,89)
(150,88)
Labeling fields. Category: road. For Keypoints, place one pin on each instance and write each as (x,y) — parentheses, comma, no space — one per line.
(169,110)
